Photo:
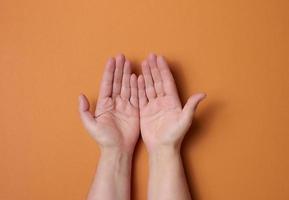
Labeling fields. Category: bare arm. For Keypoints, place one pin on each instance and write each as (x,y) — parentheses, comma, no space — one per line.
(112,179)
(164,123)
(167,179)
(115,127)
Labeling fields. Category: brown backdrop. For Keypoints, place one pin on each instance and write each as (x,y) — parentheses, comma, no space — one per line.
(235,50)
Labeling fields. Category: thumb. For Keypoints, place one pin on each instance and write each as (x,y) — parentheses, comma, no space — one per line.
(85,115)
(191,106)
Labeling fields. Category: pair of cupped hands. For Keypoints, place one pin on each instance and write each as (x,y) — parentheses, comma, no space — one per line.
(129,105)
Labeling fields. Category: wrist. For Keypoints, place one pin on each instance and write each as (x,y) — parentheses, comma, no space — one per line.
(114,173)
(164,160)
(163,148)
(116,160)
(115,151)
(164,153)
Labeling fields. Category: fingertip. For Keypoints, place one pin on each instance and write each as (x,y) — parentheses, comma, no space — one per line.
(152,60)
(144,63)
(80,102)
(201,95)
(83,103)
(146,68)
(161,62)
(127,67)
(80,98)
(127,62)
(160,57)
(133,80)
(119,62)
(152,55)
(133,77)
(195,99)
(110,64)
(110,60)
(120,56)
(140,79)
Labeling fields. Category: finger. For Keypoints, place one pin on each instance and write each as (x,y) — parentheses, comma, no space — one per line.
(125,86)
(107,79)
(167,77)
(190,107)
(157,79)
(141,92)
(149,84)
(117,79)
(85,115)
(133,93)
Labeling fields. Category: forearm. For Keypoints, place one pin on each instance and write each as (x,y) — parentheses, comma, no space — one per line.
(112,178)
(167,178)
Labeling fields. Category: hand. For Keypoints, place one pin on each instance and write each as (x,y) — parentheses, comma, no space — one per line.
(164,122)
(115,124)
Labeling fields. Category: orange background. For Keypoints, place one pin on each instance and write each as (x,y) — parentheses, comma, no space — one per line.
(236,51)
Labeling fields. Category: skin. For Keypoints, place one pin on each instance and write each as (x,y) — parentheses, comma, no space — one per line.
(126,105)
(115,127)
(164,123)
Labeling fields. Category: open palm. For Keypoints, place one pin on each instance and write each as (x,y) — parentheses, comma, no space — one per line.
(116,119)
(163,119)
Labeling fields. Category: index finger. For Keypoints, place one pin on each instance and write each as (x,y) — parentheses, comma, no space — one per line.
(169,84)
